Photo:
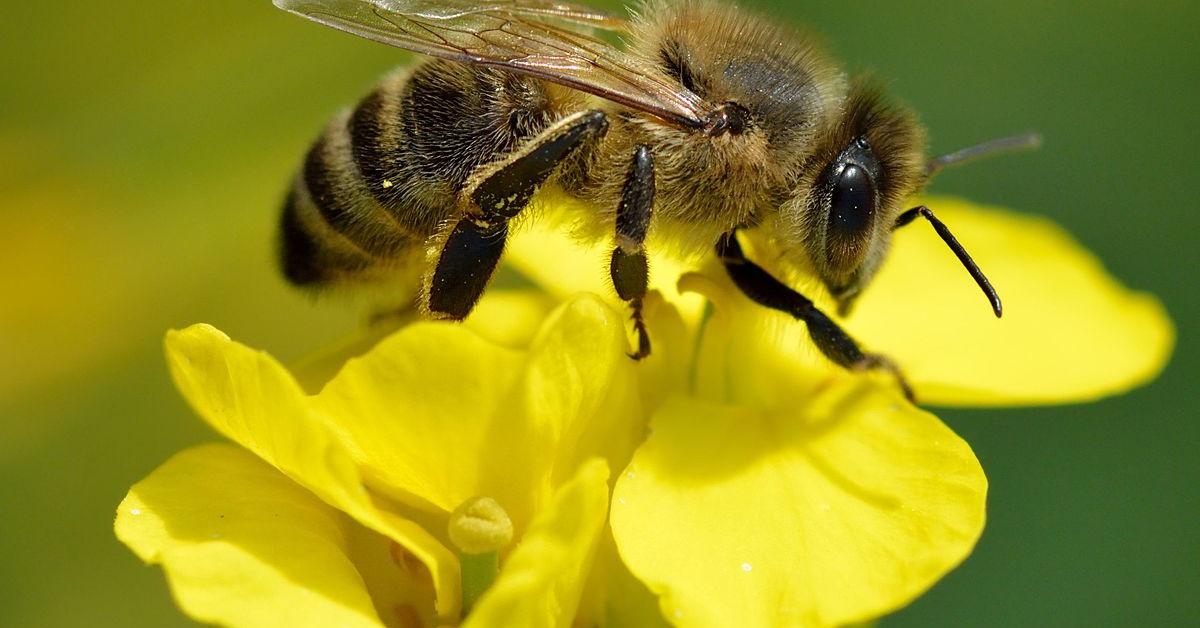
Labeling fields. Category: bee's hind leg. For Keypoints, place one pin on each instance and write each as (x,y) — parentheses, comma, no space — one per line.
(498,192)
(628,268)
(830,338)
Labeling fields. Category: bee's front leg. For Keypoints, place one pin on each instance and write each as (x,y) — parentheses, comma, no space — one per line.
(470,248)
(830,338)
(628,268)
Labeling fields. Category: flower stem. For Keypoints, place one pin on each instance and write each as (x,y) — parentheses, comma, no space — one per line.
(478,573)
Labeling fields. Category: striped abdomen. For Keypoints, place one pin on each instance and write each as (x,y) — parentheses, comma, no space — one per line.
(381,179)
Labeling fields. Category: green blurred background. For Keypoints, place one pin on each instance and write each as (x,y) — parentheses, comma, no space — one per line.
(144,148)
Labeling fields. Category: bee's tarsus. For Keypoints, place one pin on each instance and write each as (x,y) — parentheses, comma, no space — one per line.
(628,267)
(882,362)
(643,336)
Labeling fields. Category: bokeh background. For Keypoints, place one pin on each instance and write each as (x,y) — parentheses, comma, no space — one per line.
(144,148)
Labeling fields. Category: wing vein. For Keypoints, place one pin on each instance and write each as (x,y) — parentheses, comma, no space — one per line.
(527,36)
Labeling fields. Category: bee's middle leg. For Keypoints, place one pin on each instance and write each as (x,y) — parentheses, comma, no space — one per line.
(495,195)
(830,338)
(629,269)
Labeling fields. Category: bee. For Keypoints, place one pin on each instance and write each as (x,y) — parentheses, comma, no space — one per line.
(708,121)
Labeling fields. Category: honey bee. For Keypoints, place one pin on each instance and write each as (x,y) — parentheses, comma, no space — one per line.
(709,120)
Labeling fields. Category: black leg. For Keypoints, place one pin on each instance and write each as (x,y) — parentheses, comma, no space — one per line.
(628,268)
(829,337)
(496,194)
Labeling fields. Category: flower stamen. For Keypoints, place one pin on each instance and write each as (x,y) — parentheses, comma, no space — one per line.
(480,529)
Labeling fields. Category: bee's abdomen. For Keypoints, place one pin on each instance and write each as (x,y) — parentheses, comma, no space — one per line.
(332,228)
(306,255)
(383,177)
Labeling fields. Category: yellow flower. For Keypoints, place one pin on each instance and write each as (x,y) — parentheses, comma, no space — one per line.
(753,483)
(775,489)
(350,526)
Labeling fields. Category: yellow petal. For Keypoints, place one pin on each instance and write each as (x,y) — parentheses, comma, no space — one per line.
(1070,332)
(417,411)
(242,545)
(509,318)
(542,580)
(613,596)
(250,398)
(437,415)
(566,259)
(673,346)
(580,389)
(839,509)
(749,355)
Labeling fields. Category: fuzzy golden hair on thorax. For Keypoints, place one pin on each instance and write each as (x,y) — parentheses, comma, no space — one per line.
(781,80)
(724,53)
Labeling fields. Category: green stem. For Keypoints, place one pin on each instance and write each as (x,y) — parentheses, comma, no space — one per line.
(697,343)
(478,573)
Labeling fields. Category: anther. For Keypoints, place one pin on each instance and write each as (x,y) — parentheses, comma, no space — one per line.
(480,526)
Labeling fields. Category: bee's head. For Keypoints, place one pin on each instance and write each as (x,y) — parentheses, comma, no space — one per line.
(845,204)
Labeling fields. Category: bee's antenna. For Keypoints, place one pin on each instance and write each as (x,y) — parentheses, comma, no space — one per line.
(1024,141)
(959,252)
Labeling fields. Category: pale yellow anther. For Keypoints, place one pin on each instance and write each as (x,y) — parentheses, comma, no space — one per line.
(480,526)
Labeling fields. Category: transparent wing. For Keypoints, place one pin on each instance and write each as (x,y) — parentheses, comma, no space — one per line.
(449,9)
(518,35)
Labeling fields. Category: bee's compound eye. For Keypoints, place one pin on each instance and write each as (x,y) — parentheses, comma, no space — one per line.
(850,228)
(853,205)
